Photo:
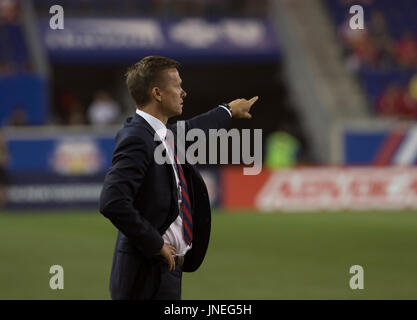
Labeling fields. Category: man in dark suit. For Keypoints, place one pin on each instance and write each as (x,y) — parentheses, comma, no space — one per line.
(162,211)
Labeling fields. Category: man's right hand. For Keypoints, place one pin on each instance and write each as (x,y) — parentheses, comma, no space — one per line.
(168,252)
(241,107)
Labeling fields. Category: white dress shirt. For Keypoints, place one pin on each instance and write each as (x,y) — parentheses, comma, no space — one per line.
(175,233)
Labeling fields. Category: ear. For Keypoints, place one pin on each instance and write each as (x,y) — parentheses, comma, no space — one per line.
(156,94)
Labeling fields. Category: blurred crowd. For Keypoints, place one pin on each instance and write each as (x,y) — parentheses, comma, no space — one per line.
(375,47)
(398,101)
(13,53)
(99,108)
(383,54)
(103,110)
(9,10)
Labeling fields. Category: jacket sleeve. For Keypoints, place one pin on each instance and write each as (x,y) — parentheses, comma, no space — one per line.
(121,186)
(216,118)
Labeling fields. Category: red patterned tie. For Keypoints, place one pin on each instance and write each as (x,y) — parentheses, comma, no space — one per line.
(186,203)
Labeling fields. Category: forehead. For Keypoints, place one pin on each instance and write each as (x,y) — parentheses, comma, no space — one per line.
(172,75)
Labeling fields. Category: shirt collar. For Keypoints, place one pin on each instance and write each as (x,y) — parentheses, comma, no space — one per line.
(155,123)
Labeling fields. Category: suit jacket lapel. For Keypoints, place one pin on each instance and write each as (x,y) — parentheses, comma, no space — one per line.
(139,121)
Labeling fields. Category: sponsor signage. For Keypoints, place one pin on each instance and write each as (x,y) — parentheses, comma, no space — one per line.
(326,188)
(66,168)
(57,168)
(49,190)
(64,153)
(121,40)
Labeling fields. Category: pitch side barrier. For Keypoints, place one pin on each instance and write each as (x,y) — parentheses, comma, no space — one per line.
(64,167)
(373,167)
(323,188)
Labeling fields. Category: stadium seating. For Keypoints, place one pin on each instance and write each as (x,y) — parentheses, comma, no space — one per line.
(13,53)
(400,18)
(166,8)
(23,92)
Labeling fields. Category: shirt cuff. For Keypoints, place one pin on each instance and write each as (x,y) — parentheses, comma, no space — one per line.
(226,110)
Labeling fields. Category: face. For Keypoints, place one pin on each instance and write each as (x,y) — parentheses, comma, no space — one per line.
(172,94)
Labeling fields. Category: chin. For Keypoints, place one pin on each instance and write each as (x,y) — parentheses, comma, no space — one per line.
(176,113)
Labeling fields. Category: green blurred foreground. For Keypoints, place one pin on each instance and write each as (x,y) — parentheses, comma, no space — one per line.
(251,256)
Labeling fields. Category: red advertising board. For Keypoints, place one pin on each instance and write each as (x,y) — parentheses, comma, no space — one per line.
(321,188)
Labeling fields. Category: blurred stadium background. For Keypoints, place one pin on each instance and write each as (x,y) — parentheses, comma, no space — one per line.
(337,108)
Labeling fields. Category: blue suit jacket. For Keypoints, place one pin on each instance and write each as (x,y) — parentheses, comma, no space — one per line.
(140,198)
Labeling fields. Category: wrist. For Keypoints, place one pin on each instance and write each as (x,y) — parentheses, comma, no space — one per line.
(226,105)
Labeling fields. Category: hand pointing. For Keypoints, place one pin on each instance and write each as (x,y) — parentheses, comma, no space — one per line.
(241,107)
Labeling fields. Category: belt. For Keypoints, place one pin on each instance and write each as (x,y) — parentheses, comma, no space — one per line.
(179,260)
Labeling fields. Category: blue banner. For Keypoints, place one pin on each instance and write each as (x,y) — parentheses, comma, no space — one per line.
(65,155)
(65,168)
(379,146)
(111,40)
(23,93)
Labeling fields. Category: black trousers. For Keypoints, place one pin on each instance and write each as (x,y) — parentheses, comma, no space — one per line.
(170,286)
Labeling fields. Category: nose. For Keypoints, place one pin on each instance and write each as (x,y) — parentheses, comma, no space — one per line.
(183,94)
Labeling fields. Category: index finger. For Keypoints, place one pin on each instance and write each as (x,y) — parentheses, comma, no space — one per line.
(253,100)
(171,264)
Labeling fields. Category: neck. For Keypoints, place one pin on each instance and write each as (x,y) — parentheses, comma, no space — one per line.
(155,112)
